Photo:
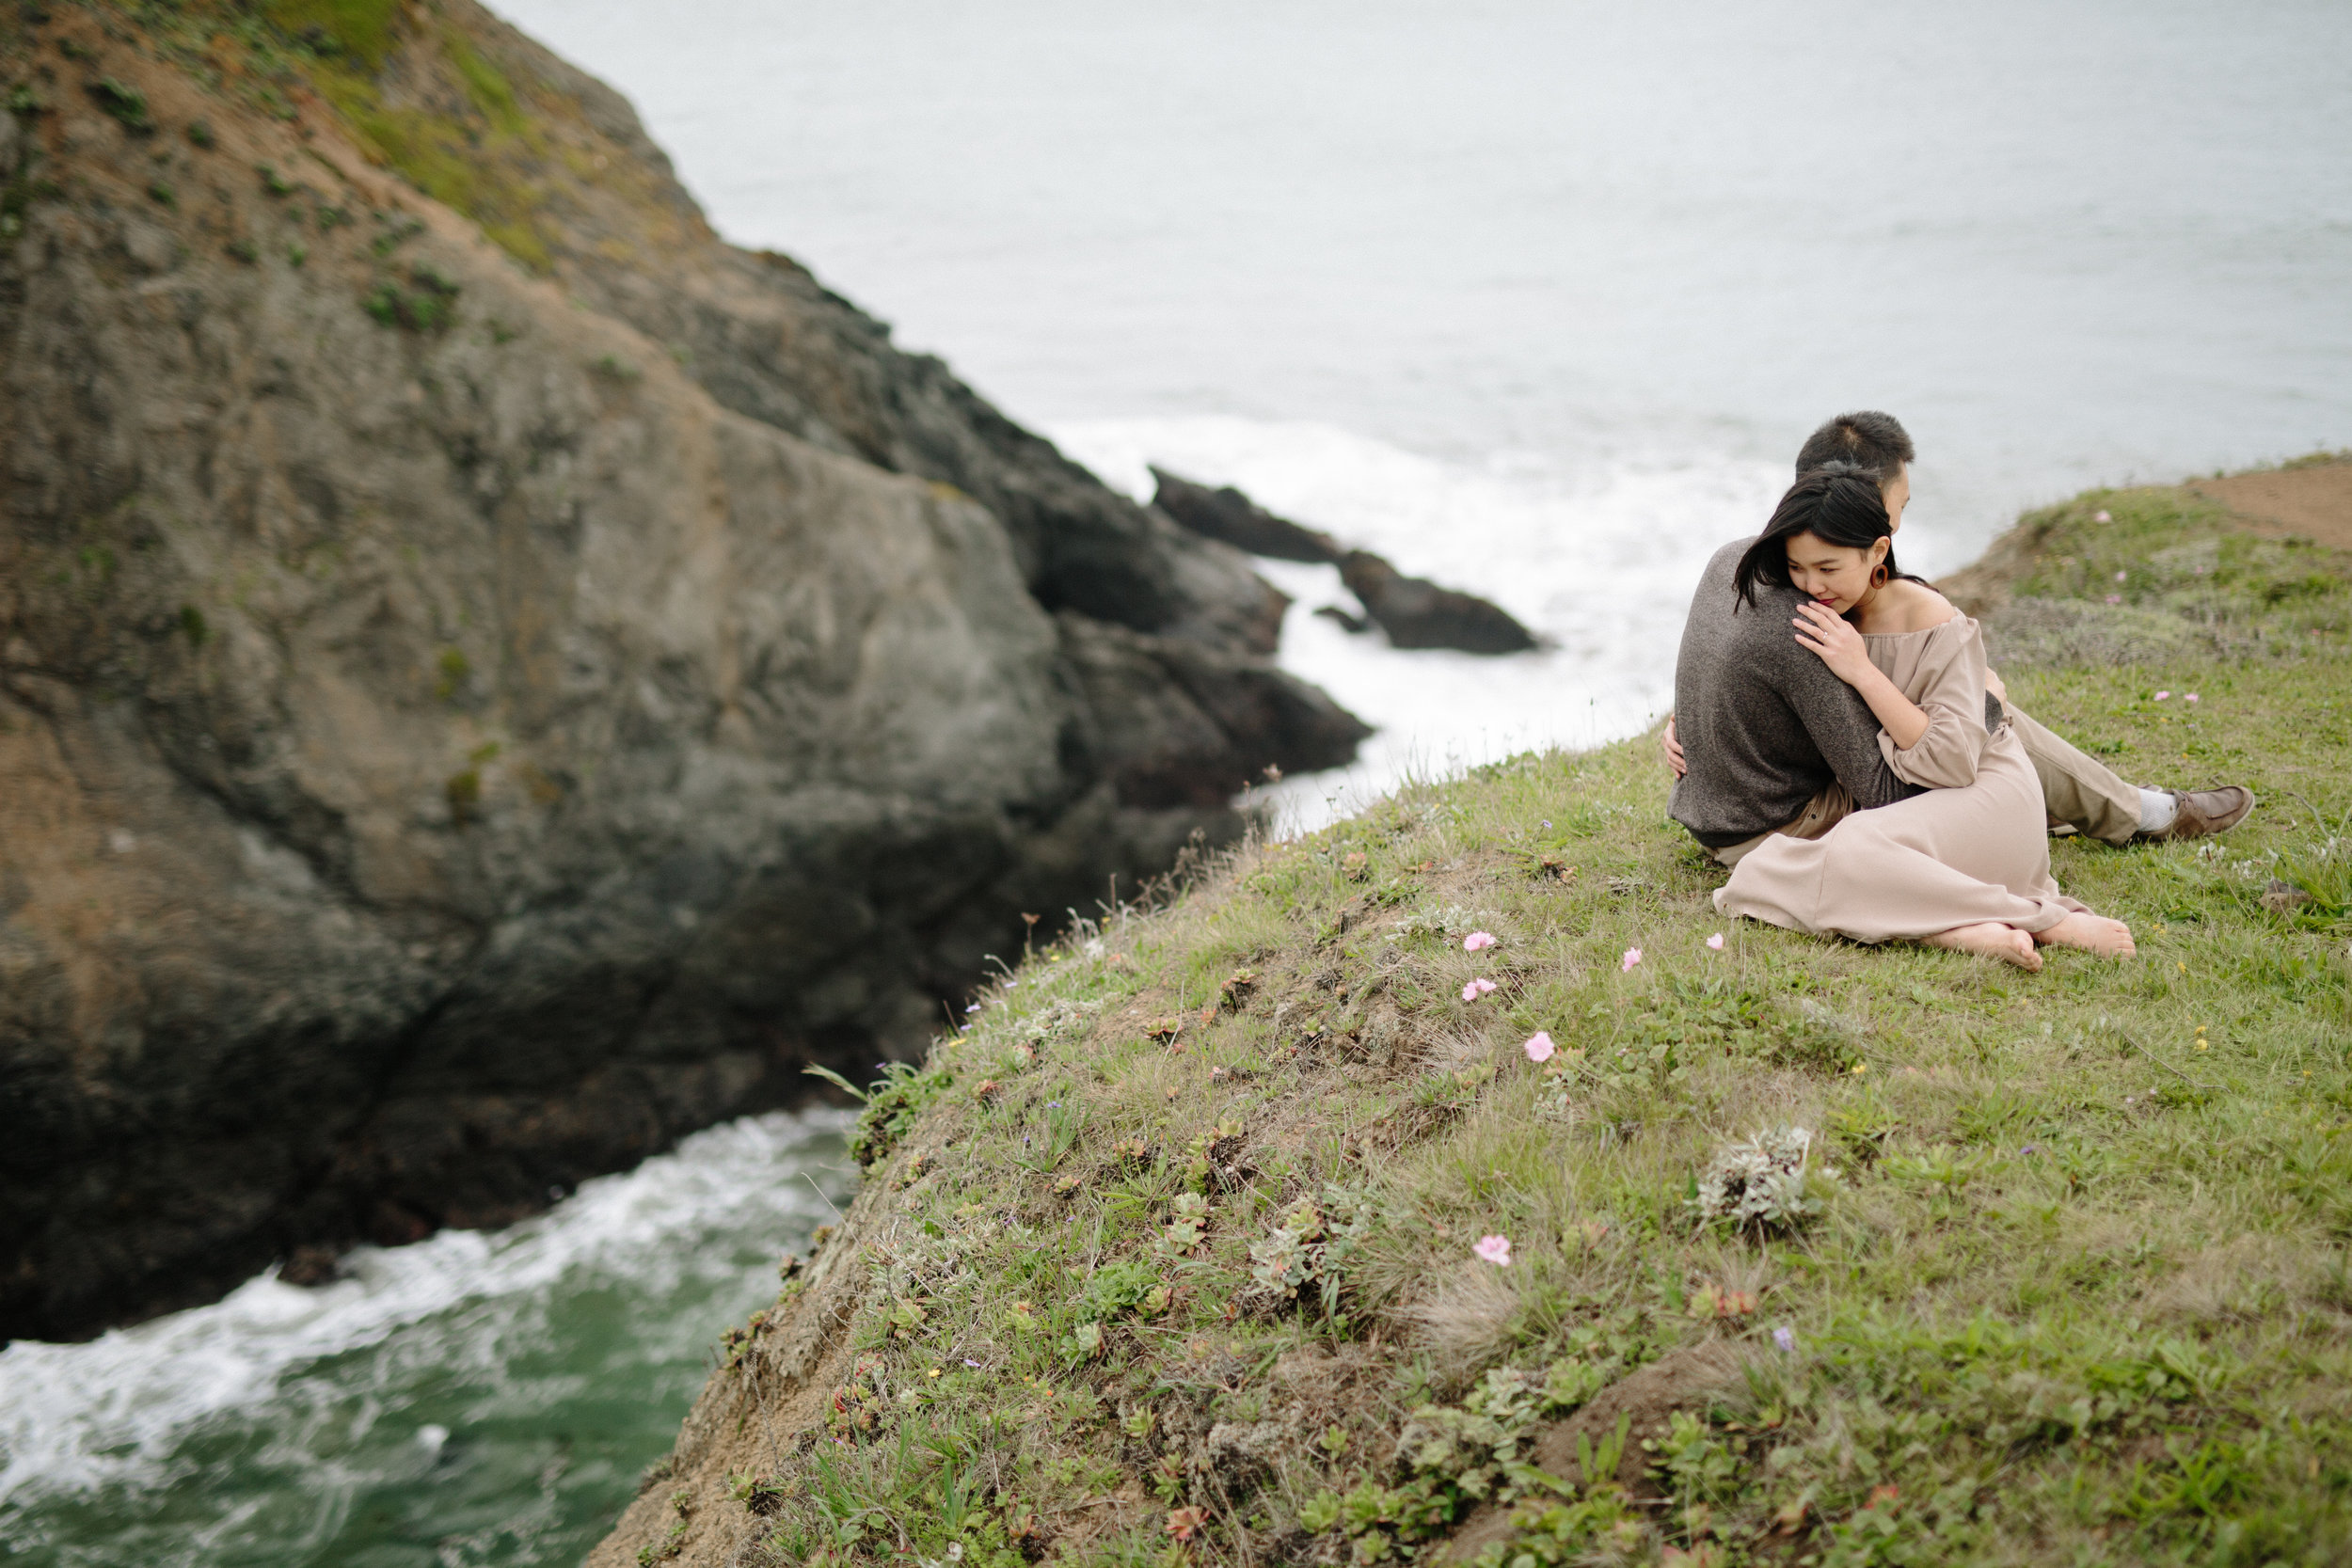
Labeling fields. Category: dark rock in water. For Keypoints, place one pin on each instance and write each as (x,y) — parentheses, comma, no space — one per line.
(1414,612)
(1348,619)
(465,724)
(1417,613)
(1228,515)
(312,1266)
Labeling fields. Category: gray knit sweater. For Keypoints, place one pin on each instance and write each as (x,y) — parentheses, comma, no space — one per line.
(1763,723)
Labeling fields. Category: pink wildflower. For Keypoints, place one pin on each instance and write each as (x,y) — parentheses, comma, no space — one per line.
(2163,695)
(1478,940)
(2122,577)
(2115,598)
(1477,989)
(1632,957)
(2188,696)
(1495,1250)
(1538,1046)
(1716,941)
(2101,518)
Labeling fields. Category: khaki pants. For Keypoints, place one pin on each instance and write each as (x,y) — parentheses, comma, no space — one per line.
(2076,792)
(1822,813)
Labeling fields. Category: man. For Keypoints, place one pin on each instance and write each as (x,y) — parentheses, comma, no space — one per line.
(1785,746)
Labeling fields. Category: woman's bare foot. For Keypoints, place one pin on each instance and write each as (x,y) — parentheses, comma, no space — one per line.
(1990,939)
(2109,939)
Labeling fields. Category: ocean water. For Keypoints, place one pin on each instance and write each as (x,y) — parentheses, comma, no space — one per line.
(1537,297)
(475,1399)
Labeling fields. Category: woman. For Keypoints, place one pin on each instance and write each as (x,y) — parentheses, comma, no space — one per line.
(1966,865)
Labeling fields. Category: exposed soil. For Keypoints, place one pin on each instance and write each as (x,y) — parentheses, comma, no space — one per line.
(2314,501)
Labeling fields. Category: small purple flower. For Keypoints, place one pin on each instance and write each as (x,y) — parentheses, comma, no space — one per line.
(970,1010)
(1053,1104)
(1786,1338)
(969,1362)
(2030,1148)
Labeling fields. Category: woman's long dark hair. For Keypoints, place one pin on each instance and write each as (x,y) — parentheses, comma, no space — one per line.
(1839,503)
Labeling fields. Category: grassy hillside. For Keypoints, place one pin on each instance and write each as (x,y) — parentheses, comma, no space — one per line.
(1173,1255)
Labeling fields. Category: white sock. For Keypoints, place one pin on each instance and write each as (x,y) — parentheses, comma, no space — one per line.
(2157,810)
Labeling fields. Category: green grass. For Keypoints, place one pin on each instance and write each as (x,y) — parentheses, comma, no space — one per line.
(361,29)
(2077,1292)
(482,173)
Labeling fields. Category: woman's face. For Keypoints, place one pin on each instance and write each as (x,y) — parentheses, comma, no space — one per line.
(1834,575)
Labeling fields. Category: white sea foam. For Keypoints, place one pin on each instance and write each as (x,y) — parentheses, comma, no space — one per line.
(1599,559)
(114,1412)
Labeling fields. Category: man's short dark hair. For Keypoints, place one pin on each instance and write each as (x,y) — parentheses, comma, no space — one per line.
(1867,440)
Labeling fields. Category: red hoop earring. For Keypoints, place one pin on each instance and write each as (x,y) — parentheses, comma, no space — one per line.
(1878,577)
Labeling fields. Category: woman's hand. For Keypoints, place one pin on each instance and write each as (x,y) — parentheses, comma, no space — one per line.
(1849,658)
(1835,639)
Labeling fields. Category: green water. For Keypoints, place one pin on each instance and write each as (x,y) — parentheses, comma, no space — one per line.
(476,1399)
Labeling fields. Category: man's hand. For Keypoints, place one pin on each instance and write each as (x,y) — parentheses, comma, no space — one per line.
(1831,637)
(1673,750)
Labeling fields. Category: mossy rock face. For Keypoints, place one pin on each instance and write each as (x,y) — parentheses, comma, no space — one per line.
(586,705)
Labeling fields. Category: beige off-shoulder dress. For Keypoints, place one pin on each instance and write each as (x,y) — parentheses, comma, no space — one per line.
(1973,848)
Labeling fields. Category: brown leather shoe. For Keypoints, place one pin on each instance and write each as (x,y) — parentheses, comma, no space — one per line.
(2200,812)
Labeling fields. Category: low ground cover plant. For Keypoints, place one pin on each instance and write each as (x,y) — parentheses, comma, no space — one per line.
(1251,1227)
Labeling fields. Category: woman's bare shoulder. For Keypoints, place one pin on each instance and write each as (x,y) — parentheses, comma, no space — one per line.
(1919,608)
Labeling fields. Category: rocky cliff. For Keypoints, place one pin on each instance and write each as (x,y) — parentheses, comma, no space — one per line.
(491,677)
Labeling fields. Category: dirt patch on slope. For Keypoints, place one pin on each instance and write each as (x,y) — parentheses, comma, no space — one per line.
(2314,501)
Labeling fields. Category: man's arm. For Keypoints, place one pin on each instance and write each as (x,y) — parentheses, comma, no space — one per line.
(1842,727)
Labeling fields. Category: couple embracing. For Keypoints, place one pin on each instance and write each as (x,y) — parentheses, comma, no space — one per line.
(1841,745)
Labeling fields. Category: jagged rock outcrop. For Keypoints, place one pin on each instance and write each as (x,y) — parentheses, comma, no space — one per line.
(1414,612)
(1417,613)
(1226,513)
(472,711)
